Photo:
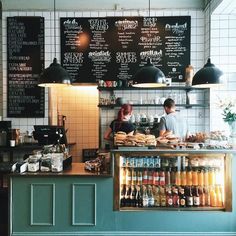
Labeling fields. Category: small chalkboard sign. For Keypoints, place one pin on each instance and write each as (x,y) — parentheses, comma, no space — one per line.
(25,62)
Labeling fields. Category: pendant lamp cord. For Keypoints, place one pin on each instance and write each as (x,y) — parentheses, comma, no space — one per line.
(149,7)
(209,24)
(54,8)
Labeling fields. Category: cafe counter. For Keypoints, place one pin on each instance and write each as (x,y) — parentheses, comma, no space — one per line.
(77,202)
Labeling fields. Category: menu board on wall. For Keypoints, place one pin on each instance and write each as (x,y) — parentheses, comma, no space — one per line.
(25,62)
(113,48)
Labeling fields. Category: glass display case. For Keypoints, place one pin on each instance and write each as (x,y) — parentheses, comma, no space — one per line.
(172,180)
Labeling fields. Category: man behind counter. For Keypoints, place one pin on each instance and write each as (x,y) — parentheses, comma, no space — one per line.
(169,122)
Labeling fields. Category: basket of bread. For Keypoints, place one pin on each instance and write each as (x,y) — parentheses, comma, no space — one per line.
(168,138)
(138,139)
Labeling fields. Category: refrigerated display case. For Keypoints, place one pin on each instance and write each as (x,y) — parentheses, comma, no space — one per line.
(196,180)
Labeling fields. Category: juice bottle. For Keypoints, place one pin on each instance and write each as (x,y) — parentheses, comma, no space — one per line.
(178,178)
(195,177)
(213,197)
(183,178)
(172,176)
(162,177)
(219,202)
(211,176)
(202,196)
(206,177)
(200,177)
(189,176)
(167,176)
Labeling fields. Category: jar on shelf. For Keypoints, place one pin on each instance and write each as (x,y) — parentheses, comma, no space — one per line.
(33,163)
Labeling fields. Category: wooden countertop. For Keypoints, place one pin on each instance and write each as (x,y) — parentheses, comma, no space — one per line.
(76,169)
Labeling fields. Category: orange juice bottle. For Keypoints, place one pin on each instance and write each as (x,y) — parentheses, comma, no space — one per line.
(206,177)
(195,177)
(178,178)
(200,177)
(211,176)
(219,202)
(183,178)
(189,177)
(213,197)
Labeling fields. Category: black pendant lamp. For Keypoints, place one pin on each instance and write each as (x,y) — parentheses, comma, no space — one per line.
(149,76)
(207,77)
(55,75)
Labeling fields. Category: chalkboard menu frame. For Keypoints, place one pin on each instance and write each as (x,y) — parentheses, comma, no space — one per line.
(113,48)
(25,62)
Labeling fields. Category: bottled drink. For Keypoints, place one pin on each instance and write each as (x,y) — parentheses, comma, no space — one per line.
(139,200)
(122,199)
(211,176)
(145,177)
(150,197)
(156,178)
(127,196)
(123,176)
(175,197)
(207,196)
(134,177)
(196,198)
(202,196)
(162,196)
(200,177)
(182,198)
(150,177)
(173,176)
(218,196)
(206,177)
(167,176)
(213,197)
(133,196)
(128,177)
(195,176)
(145,197)
(139,178)
(157,200)
(162,177)
(189,178)
(183,178)
(178,178)
(169,197)
(189,198)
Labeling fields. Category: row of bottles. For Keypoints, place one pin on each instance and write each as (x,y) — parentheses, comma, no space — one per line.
(172,176)
(158,196)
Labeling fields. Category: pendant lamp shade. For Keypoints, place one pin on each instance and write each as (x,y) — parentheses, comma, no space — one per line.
(149,76)
(208,76)
(54,76)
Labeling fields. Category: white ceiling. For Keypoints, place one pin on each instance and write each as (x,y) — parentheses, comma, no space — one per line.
(83,5)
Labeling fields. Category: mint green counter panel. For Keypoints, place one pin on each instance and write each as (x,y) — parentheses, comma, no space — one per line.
(73,205)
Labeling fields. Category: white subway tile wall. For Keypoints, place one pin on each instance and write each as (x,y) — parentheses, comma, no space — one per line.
(223,55)
(199,117)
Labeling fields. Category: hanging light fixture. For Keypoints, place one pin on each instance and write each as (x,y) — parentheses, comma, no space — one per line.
(55,75)
(207,77)
(149,75)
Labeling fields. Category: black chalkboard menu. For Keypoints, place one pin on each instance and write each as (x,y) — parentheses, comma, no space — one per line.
(113,48)
(25,62)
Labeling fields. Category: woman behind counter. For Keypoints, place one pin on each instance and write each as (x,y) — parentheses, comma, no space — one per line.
(121,123)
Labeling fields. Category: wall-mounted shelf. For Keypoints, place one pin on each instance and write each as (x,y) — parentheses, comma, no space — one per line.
(186,88)
(154,105)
